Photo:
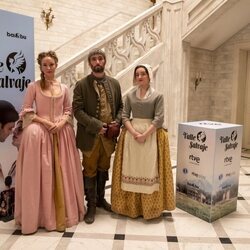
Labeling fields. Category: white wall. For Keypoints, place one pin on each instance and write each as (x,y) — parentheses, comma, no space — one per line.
(225,59)
(214,97)
(199,104)
(71,17)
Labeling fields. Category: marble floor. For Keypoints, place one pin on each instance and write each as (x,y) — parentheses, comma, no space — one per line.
(174,230)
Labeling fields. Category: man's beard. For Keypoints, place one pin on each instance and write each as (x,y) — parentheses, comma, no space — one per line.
(98,69)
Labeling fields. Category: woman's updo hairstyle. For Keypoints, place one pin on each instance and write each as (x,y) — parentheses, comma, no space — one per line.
(40,57)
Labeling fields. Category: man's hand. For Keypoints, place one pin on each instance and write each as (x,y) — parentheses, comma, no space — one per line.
(103,130)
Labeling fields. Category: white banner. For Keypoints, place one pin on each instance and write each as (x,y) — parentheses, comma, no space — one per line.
(16,69)
(208,165)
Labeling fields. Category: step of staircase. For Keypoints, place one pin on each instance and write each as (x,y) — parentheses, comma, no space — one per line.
(85,39)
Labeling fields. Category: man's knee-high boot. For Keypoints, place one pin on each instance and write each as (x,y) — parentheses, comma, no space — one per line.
(102,177)
(90,192)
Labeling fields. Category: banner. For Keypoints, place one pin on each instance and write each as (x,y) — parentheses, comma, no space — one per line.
(208,165)
(16,70)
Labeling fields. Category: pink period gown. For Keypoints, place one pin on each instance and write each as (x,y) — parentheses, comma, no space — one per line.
(35,177)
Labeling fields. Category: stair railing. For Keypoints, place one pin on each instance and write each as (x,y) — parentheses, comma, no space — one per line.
(123,46)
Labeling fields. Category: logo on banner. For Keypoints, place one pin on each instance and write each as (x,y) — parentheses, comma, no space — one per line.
(230,141)
(1,67)
(16,35)
(228,160)
(200,137)
(234,135)
(199,176)
(220,176)
(230,174)
(16,63)
(194,159)
(185,170)
(210,123)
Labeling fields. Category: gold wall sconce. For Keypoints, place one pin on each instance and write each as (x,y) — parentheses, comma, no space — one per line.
(47,17)
(197,80)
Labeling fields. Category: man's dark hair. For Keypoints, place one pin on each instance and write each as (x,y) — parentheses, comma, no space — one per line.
(96,52)
(8,113)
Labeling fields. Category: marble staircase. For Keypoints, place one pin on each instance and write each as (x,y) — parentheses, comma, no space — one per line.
(85,39)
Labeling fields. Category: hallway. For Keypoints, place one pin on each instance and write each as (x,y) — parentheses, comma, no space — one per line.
(175,230)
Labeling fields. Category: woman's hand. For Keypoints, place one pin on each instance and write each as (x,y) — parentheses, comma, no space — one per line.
(57,126)
(134,133)
(49,125)
(141,138)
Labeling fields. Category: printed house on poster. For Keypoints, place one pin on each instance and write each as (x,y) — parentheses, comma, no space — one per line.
(208,163)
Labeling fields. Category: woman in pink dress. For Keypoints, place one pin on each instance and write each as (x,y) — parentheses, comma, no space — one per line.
(49,183)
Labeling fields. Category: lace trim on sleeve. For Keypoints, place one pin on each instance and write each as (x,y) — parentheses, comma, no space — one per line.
(27,116)
(68,117)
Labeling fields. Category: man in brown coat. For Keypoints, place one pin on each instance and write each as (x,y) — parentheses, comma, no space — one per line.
(97,102)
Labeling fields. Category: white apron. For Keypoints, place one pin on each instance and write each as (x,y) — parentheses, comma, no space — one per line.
(139,164)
